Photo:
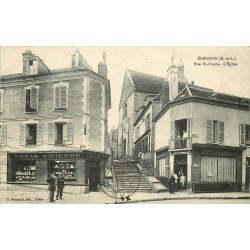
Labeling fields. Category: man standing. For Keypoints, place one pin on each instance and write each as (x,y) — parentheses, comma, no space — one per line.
(60,186)
(183,181)
(51,180)
(175,182)
(171,182)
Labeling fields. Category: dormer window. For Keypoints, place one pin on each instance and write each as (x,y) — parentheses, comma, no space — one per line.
(32,67)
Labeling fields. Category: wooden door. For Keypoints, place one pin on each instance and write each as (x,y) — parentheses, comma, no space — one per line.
(94,176)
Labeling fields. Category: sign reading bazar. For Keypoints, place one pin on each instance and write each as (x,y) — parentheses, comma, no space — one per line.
(41,156)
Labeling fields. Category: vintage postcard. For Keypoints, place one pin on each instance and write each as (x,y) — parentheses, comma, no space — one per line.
(97,125)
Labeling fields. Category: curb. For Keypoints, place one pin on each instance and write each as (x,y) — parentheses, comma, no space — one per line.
(183,198)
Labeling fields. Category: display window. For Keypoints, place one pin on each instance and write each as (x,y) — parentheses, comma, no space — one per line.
(25,171)
(66,168)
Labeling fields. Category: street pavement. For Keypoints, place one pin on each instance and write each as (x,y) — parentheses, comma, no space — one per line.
(18,197)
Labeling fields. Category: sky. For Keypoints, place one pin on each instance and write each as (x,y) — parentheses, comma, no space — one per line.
(155,60)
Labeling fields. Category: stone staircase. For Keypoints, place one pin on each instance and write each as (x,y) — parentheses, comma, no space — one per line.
(130,178)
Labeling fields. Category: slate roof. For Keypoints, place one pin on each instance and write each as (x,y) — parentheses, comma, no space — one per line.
(3,77)
(146,83)
(206,93)
(150,83)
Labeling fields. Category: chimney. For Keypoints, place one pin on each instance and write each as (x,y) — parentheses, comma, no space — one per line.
(102,66)
(173,79)
(76,59)
(26,56)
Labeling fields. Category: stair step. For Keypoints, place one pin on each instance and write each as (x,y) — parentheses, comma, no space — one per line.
(127,171)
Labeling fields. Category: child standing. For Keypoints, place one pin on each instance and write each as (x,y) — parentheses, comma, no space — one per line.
(183,181)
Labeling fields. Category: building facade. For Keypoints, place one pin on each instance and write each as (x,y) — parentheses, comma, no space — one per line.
(213,154)
(136,87)
(144,132)
(113,143)
(54,121)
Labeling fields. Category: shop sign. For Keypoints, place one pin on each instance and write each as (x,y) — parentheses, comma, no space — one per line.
(217,151)
(47,156)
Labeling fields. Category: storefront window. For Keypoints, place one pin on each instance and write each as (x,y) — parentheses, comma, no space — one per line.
(25,171)
(163,171)
(66,168)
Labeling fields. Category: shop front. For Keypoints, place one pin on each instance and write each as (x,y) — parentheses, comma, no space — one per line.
(83,171)
(162,171)
(216,168)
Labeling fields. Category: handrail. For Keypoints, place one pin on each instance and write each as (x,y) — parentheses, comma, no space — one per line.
(144,174)
(180,143)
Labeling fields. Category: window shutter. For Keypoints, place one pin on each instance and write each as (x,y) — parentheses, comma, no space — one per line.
(33,97)
(242,134)
(39,134)
(57,97)
(3,135)
(51,133)
(189,131)
(175,130)
(63,91)
(1,103)
(22,134)
(221,132)
(172,130)
(209,131)
(69,132)
(64,133)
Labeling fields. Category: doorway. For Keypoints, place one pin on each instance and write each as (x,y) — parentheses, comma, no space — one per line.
(180,166)
(124,148)
(94,176)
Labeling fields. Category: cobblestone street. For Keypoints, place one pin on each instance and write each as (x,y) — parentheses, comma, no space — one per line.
(10,197)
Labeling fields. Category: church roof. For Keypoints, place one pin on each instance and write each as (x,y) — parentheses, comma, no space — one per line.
(146,83)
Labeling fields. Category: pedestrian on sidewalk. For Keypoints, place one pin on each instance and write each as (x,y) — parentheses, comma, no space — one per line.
(179,180)
(51,180)
(176,181)
(60,186)
(183,181)
(171,182)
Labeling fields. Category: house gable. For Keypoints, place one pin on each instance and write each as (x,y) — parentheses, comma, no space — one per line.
(127,88)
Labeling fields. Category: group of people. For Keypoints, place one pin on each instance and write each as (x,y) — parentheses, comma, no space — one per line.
(55,182)
(177,182)
(181,141)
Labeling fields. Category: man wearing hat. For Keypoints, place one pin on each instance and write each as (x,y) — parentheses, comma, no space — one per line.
(51,180)
(60,186)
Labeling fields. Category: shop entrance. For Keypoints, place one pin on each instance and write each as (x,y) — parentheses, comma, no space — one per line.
(94,176)
(180,166)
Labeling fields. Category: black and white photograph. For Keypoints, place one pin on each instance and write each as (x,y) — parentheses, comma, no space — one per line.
(125,125)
